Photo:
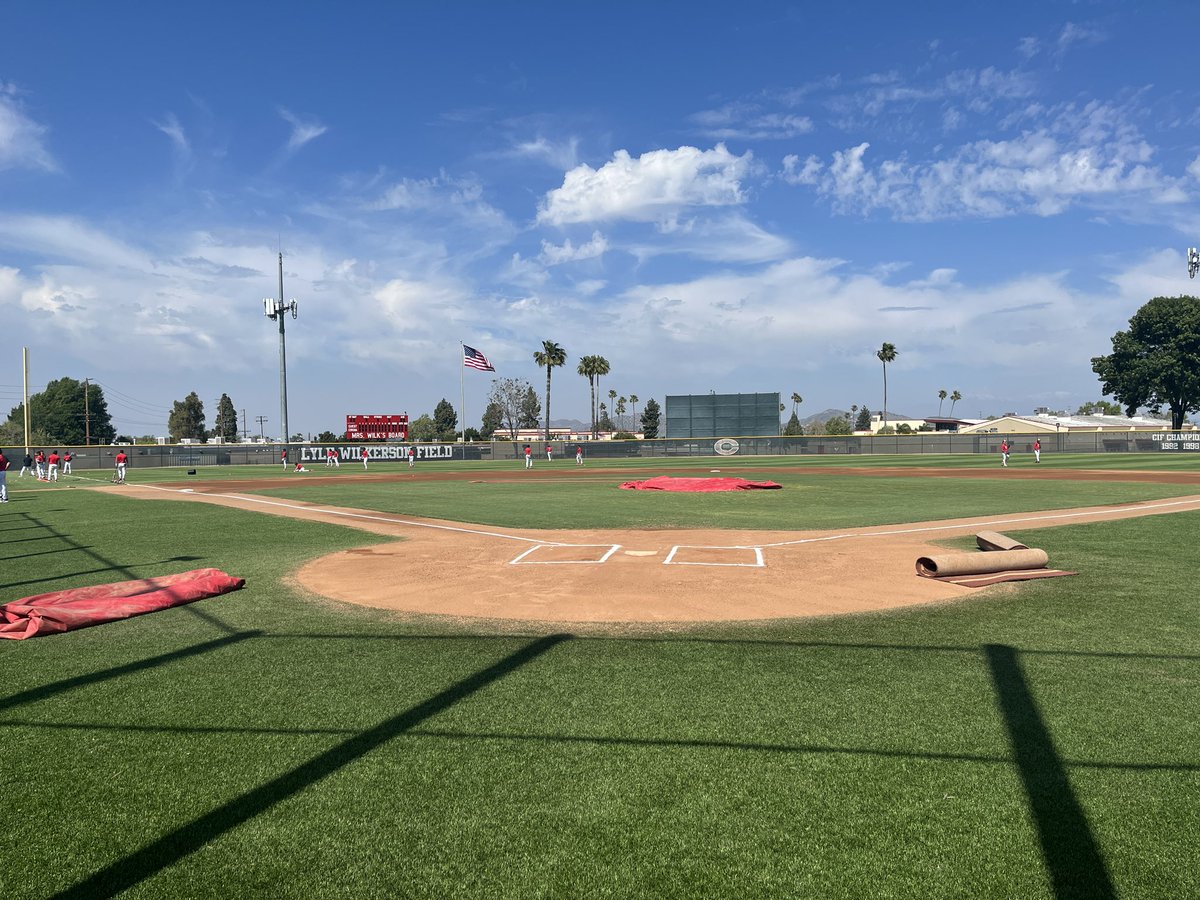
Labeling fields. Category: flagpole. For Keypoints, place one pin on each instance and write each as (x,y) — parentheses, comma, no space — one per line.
(462,396)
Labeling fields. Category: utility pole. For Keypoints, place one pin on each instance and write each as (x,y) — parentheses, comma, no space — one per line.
(275,309)
(87,417)
(260,420)
(245,430)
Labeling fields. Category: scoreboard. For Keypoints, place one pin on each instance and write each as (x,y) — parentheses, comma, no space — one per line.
(377,428)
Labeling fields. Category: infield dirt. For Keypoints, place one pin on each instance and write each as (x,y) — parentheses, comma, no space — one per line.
(660,576)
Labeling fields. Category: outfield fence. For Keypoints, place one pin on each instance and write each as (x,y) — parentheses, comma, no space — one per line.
(316,455)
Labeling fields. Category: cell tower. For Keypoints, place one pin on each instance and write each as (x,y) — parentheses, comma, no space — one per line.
(277,309)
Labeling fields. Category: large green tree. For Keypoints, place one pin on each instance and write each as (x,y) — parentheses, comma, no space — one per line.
(423,429)
(550,357)
(493,420)
(187,419)
(863,422)
(61,415)
(838,425)
(651,419)
(530,408)
(1156,362)
(604,422)
(887,353)
(1099,406)
(227,421)
(445,419)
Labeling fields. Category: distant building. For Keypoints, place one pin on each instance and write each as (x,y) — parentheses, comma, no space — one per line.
(1044,423)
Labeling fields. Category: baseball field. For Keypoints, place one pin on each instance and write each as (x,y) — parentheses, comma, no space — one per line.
(468,680)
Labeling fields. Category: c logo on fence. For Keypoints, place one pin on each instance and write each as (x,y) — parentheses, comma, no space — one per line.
(726,447)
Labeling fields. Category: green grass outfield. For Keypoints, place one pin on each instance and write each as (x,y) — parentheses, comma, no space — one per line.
(1038,740)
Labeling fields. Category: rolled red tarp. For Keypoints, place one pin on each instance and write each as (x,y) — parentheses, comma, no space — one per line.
(62,611)
(698,485)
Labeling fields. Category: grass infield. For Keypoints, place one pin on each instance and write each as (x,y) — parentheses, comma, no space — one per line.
(1037,741)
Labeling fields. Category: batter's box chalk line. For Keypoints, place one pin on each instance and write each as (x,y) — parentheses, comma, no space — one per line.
(566,550)
(714,551)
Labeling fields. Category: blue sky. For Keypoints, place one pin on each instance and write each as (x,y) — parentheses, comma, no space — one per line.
(729,197)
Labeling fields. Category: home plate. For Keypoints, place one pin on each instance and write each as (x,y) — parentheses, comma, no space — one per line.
(641,552)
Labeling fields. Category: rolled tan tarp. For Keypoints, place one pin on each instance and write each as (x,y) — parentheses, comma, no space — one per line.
(994,540)
(950,564)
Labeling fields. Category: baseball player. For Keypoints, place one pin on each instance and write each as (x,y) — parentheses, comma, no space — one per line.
(579,455)
(1037,450)
(1004,453)
(67,463)
(528,457)
(364,459)
(122,462)
(412,456)
(53,461)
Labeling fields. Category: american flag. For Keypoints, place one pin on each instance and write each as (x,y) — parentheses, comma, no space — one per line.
(473,359)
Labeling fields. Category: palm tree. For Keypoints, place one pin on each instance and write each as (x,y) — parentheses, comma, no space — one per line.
(620,410)
(954,398)
(796,401)
(602,368)
(548,357)
(887,353)
(589,369)
(942,395)
(633,401)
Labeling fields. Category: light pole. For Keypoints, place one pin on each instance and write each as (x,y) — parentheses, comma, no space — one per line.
(276,309)
(87,415)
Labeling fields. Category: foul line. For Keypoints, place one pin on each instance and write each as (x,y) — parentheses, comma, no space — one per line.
(1102,511)
(347,515)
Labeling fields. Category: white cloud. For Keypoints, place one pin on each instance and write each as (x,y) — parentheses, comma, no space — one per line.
(1042,172)
(171,127)
(748,122)
(553,255)
(1072,34)
(446,199)
(303,130)
(722,239)
(69,239)
(651,187)
(21,138)
(560,154)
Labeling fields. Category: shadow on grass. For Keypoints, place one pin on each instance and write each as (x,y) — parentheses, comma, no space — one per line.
(33,695)
(174,846)
(1074,862)
(108,564)
(1073,858)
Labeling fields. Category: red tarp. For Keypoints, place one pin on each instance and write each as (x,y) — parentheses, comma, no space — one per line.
(78,608)
(697,485)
